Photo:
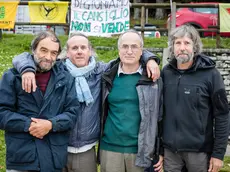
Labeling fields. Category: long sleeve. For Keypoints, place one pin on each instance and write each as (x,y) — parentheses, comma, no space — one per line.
(160,148)
(24,63)
(67,119)
(220,114)
(10,120)
(147,55)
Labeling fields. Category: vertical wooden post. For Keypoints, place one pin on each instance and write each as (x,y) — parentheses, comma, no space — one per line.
(218,29)
(142,21)
(173,15)
(146,15)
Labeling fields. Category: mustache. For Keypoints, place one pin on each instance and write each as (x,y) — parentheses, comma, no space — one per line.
(183,54)
(44,60)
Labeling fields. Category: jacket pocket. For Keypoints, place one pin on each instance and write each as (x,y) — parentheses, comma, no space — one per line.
(20,149)
(59,144)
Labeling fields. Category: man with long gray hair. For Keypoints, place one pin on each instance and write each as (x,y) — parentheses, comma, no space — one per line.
(195,130)
(80,60)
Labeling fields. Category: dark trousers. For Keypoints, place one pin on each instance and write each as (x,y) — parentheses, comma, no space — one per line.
(151,168)
(194,161)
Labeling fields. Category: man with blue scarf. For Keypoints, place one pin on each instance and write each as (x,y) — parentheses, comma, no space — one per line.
(82,65)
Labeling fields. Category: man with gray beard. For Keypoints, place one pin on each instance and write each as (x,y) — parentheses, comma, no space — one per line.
(37,124)
(195,130)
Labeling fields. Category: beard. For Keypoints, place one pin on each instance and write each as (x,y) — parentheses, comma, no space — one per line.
(43,67)
(184,58)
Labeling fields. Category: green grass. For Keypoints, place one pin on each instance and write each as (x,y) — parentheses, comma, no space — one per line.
(12,45)
(226,167)
(2,151)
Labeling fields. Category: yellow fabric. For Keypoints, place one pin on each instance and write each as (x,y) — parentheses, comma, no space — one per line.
(8,14)
(224,17)
(48,12)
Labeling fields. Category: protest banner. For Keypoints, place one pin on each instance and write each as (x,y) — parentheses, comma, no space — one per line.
(224,17)
(48,12)
(7,14)
(99,17)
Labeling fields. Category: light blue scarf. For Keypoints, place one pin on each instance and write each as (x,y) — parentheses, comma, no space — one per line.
(82,87)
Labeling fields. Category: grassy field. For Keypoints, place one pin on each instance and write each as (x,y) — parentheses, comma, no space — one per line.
(12,45)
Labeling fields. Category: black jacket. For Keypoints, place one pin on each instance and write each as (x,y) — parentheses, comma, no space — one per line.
(195,108)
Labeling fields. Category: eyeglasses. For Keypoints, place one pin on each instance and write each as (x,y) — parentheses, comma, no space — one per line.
(134,47)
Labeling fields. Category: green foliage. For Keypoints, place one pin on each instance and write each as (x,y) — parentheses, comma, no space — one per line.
(2,151)
(226,167)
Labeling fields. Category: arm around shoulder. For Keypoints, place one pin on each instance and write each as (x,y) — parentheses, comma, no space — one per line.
(10,120)
(24,63)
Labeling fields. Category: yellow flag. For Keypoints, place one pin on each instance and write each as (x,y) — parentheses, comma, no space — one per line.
(8,14)
(48,12)
(224,17)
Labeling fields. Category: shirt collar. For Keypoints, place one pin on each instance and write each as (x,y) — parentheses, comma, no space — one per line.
(119,71)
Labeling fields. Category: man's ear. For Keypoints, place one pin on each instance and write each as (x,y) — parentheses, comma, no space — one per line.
(67,53)
(91,51)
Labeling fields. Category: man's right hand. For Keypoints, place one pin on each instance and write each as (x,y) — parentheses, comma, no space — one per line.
(28,82)
(39,127)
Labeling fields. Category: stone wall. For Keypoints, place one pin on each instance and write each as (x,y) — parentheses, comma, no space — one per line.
(220,56)
(222,59)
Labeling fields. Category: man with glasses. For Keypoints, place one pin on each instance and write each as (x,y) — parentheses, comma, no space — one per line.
(131,111)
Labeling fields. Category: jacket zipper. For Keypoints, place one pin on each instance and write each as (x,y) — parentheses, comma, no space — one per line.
(177,99)
(78,126)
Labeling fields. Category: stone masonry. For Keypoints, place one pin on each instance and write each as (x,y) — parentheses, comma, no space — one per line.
(222,59)
(220,56)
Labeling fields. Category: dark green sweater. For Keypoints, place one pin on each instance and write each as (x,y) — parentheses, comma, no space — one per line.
(122,124)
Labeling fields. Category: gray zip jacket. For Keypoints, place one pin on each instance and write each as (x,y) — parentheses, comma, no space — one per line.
(150,102)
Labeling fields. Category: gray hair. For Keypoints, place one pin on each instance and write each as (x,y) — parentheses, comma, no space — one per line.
(188,31)
(42,35)
(130,31)
(64,51)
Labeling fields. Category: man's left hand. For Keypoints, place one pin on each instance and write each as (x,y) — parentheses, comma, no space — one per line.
(153,70)
(159,166)
(39,127)
(215,165)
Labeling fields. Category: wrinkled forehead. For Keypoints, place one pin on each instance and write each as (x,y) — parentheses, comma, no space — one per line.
(182,35)
(49,44)
(130,38)
(78,41)
(184,38)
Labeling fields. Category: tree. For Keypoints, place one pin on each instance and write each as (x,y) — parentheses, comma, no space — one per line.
(136,10)
(159,11)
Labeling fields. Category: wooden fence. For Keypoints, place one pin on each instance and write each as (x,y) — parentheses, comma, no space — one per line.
(144,9)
